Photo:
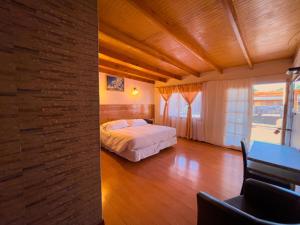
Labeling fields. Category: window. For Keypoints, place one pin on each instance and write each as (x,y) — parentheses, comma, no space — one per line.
(178,106)
(196,106)
(236,115)
(267,112)
(161,106)
(297,97)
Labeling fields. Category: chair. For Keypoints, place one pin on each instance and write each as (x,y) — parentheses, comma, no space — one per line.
(260,172)
(261,204)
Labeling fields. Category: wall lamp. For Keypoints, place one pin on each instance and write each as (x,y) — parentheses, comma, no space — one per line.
(293,70)
(134,91)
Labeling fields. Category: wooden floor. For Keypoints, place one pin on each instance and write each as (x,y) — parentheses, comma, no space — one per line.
(162,189)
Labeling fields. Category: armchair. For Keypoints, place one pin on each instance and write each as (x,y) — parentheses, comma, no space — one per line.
(261,204)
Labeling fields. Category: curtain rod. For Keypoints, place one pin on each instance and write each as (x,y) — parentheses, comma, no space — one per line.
(176,85)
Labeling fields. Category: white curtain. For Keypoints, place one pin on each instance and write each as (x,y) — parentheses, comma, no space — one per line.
(178,114)
(227,111)
(213,109)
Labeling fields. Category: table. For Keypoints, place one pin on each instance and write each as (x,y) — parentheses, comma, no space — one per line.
(278,160)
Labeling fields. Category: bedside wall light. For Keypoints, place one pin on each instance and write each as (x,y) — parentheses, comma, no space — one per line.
(134,91)
(293,71)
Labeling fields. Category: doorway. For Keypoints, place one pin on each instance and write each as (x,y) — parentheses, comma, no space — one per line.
(267,113)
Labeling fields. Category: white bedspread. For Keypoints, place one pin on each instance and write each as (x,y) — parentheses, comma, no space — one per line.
(136,137)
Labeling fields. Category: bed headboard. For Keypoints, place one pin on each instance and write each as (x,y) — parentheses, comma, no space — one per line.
(130,111)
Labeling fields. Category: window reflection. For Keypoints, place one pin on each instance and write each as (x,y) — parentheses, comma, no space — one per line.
(180,162)
(193,165)
(185,167)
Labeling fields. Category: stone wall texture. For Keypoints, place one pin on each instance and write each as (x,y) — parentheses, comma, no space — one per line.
(49,113)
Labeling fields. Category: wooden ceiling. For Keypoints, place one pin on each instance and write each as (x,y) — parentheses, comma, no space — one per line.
(160,39)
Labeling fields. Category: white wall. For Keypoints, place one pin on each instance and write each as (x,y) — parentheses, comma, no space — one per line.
(145,95)
(269,71)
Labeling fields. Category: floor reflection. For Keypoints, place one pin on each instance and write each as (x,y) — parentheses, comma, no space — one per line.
(193,165)
(186,167)
(164,186)
(180,162)
(105,194)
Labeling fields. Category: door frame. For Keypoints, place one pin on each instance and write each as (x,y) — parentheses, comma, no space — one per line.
(287,109)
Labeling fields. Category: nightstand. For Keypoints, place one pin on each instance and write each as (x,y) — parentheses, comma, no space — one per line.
(150,121)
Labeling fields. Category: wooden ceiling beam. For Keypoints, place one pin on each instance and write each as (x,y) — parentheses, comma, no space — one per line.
(232,16)
(129,70)
(117,35)
(129,60)
(122,74)
(195,48)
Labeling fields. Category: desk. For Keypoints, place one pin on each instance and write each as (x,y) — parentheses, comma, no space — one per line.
(283,161)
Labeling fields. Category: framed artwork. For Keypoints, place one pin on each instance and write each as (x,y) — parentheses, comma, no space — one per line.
(115,83)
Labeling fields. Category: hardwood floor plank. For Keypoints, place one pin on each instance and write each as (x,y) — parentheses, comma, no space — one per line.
(161,190)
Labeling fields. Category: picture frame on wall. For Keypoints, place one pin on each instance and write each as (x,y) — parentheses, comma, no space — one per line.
(115,83)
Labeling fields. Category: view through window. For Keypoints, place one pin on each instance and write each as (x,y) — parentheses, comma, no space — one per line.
(268,108)
(297,97)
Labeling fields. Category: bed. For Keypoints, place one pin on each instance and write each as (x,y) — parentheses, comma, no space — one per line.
(136,139)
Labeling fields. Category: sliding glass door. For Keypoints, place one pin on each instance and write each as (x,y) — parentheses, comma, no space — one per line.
(295,140)
(268,112)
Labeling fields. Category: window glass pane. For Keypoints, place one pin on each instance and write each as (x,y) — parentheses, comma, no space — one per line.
(230,128)
(236,115)
(162,106)
(297,97)
(183,106)
(267,113)
(173,105)
(196,106)
(230,118)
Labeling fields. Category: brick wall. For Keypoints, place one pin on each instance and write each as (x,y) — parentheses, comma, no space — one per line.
(49,113)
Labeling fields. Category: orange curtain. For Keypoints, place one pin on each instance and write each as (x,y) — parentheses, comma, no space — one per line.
(166,97)
(166,93)
(189,93)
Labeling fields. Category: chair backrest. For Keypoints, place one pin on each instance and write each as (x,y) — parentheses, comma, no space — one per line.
(244,152)
(212,211)
(277,203)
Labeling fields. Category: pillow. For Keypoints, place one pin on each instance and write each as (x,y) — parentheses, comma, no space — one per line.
(136,122)
(114,125)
